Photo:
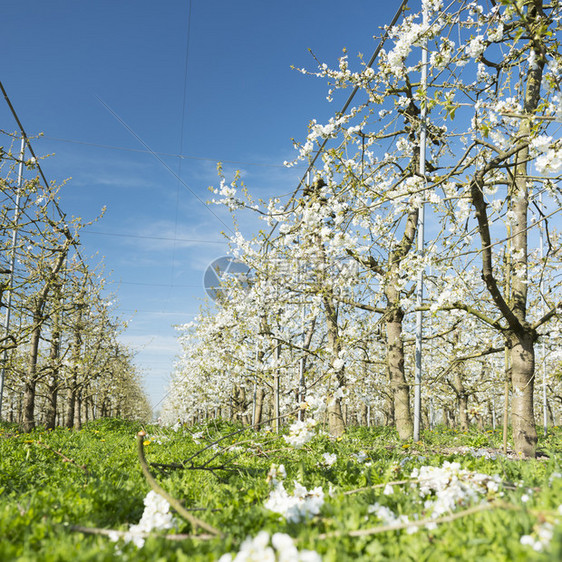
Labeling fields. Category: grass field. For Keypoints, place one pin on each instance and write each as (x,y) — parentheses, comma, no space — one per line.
(74,495)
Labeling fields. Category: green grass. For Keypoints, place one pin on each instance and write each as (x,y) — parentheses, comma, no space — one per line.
(51,481)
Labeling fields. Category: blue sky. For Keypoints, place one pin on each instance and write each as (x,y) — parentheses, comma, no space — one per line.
(66,62)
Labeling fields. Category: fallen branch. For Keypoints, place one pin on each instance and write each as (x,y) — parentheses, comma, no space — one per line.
(63,457)
(121,534)
(420,523)
(506,485)
(374,486)
(195,522)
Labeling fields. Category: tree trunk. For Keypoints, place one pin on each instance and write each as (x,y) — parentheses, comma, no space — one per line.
(260,395)
(39,306)
(462,399)
(29,405)
(363,414)
(88,409)
(522,415)
(52,385)
(448,417)
(103,409)
(400,389)
(395,317)
(301,394)
(425,417)
(480,421)
(51,413)
(78,412)
(31,380)
(243,406)
(70,403)
(389,409)
(73,384)
(336,424)
(521,336)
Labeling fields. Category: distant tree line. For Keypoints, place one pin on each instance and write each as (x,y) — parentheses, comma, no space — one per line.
(457,121)
(61,360)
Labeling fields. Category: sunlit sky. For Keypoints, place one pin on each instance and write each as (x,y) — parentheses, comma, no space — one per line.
(120,90)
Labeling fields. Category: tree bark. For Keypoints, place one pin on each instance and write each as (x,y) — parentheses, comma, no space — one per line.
(70,403)
(363,414)
(72,392)
(260,395)
(30,386)
(522,339)
(400,388)
(389,411)
(425,417)
(29,392)
(336,422)
(38,317)
(52,385)
(394,315)
(51,412)
(78,412)
(242,405)
(462,400)
(513,306)
(449,417)
(524,430)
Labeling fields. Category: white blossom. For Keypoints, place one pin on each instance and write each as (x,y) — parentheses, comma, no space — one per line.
(495,33)
(432,5)
(282,549)
(388,517)
(328,459)
(301,432)
(476,47)
(156,517)
(449,486)
(388,490)
(302,504)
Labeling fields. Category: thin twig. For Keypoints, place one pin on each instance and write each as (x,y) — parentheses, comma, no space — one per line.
(243,429)
(64,457)
(383,485)
(112,532)
(195,522)
(420,523)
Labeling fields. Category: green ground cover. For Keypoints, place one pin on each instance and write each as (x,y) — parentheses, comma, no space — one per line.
(59,488)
